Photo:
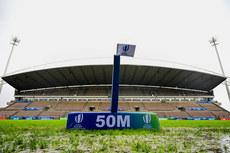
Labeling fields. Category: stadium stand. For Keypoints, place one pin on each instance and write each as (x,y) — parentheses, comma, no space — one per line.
(200,114)
(221,114)
(123,105)
(169,114)
(42,104)
(17,106)
(134,104)
(105,105)
(94,104)
(159,114)
(95,92)
(55,114)
(157,106)
(66,105)
(142,88)
(7,114)
(27,113)
(210,106)
(58,109)
(185,104)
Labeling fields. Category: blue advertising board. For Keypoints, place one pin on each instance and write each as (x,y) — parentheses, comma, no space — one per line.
(203,118)
(108,120)
(204,102)
(16,118)
(197,109)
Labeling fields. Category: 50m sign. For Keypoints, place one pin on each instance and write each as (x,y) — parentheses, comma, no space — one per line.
(112,121)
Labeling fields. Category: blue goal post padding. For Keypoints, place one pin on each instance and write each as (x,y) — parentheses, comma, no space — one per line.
(108,120)
(115,84)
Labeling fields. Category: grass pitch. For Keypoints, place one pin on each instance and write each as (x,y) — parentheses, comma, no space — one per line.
(175,136)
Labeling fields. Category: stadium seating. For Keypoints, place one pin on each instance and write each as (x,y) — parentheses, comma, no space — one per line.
(159,114)
(211,106)
(7,114)
(169,114)
(55,114)
(133,104)
(17,106)
(38,104)
(67,105)
(127,91)
(185,104)
(27,113)
(221,114)
(157,106)
(200,114)
(142,99)
(96,92)
(94,104)
(121,105)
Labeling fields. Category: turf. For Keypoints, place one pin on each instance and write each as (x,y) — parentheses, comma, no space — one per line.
(174,136)
(163,123)
(194,123)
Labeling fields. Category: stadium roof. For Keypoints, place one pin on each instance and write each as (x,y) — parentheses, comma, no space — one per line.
(102,74)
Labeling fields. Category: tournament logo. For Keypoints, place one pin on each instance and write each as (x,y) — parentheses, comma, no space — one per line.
(125,48)
(79,118)
(147,118)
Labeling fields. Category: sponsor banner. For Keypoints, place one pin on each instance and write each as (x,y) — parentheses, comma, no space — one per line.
(160,118)
(45,118)
(63,118)
(224,118)
(25,108)
(28,118)
(2,118)
(197,109)
(42,118)
(108,120)
(203,118)
(181,118)
(16,118)
(23,101)
(204,102)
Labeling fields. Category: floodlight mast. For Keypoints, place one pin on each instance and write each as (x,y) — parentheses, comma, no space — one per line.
(213,42)
(15,41)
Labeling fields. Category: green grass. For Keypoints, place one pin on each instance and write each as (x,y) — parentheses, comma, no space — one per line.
(52,136)
(194,123)
(62,123)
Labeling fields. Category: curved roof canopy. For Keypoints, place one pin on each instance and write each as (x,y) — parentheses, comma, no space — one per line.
(102,74)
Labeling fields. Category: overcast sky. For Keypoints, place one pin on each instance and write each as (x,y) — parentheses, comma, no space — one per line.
(172,30)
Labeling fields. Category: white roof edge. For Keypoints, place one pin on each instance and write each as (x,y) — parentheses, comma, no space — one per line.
(109,61)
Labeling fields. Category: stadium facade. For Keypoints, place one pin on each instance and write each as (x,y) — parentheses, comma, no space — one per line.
(172,93)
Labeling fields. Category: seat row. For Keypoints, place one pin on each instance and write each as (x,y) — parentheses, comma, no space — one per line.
(102,105)
(162,114)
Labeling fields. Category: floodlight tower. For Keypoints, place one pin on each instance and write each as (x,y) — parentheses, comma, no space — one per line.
(15,41)
(213,42)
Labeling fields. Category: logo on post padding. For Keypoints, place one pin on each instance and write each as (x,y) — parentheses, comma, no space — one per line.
(79,118)
(147,118)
